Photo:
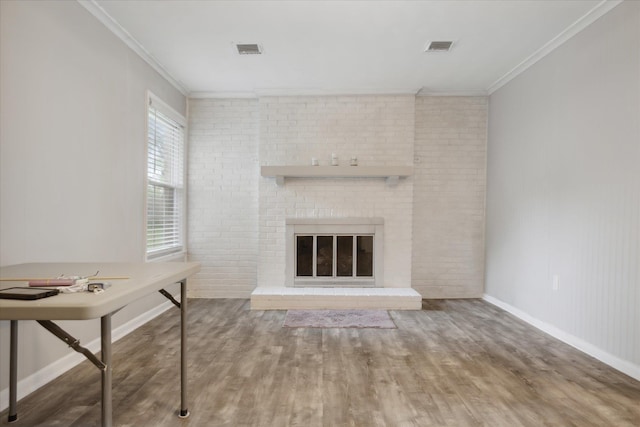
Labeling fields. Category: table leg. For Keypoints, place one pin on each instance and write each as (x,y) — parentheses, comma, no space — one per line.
(105,333)
(13,372)
(184,412)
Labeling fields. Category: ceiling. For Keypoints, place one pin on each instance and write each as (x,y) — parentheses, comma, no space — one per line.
(343,47)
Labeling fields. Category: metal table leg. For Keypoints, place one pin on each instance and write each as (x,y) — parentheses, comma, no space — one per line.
(13,372)
(105,333)
(184,412)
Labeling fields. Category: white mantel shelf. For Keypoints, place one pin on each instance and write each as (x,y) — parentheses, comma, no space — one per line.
(391,173)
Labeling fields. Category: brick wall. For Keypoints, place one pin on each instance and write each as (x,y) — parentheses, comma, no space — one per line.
(223,196)
(434,221)
(376,129)
(449,196)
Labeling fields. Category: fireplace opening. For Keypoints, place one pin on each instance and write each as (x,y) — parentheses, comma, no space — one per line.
(334,256)
(334,252)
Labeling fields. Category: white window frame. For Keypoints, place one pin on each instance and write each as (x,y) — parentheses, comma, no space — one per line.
(180,249)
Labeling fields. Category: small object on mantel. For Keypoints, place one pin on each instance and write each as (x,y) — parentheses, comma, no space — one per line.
(334,159)
(354,161)
(314,161)
(393,180)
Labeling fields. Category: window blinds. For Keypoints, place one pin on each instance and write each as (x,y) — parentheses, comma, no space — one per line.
(165,184)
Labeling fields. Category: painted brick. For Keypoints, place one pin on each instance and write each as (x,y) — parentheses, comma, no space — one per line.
(376,129)
(434,221)
(223,202)
(449,195)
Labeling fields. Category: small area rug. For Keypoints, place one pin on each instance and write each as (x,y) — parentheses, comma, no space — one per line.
(338,319)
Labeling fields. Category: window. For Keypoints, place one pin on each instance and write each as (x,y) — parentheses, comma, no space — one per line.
(165,180)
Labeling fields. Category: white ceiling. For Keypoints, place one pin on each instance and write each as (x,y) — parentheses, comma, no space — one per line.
(348,47)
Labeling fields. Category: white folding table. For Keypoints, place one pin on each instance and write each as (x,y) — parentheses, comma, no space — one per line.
(142,279)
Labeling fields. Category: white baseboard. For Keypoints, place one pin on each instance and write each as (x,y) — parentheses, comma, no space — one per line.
(48,373)
(621,365)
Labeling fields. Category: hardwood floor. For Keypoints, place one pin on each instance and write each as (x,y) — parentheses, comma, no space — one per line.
(454,363)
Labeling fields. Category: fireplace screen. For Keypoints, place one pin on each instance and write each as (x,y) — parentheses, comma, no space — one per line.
(334,256)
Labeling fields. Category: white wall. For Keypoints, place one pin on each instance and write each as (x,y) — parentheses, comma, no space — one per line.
(72,144)
(449,196)
(223,196)
(563,192)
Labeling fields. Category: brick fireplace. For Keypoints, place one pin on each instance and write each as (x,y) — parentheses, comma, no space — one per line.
(379,131)
(433,220)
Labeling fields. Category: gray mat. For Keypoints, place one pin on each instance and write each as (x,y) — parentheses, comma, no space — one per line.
(379,319)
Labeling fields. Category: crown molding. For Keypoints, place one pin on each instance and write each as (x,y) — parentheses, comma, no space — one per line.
(304,92)
(334,92)
(589,18)
(423,92)
(106,19)
(261,93)
(222,95)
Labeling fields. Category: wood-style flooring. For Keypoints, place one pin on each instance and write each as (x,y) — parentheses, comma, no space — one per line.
(454,363)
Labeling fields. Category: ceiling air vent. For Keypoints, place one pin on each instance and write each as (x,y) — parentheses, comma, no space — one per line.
(439,46)
(249,49)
